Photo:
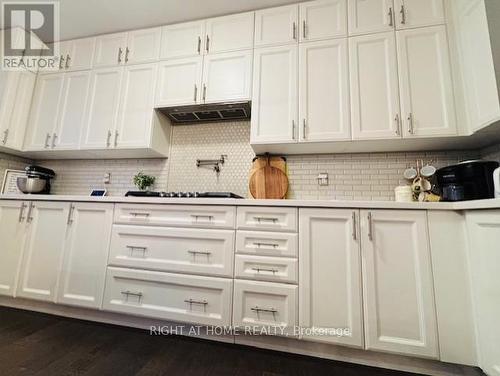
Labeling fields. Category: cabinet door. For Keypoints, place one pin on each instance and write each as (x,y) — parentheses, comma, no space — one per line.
(136,106)
(13,234)
(276,26)
(110,50)
(324,112)
(374,87)
(427,99)
(179,82)
(85,255)
(275,102)
(484,232)
(330,274)
(227,76)
(398,292)
(47,222)
(8,88)
(44,110)
(72,112)
(230,33)
(415,13)
(80,54)
(102,114)
(182,40)
(323,19)
(143,46)
(370,16)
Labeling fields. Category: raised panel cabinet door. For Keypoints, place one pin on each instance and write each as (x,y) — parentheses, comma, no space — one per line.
(416,13)
(110,50)
(427,98)
(330,294)
(398,292)
(227,76)
(143,46)
(277,26)
(136,106)
(230,33)
(179,82)
(370,16)
(322,19)
(9,82)
(44,111)
(324,113)
(102,113)
(85,257)
(373,67)
(80,54)
(42,256)
(484,232)
(13,234)
(274,95)
(182,40)
(72,112)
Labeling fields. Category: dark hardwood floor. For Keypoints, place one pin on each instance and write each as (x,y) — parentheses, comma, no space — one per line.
(38,344)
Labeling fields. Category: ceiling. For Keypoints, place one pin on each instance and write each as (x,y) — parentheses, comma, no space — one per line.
(81,18)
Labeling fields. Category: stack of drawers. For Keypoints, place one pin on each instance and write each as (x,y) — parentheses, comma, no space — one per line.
(172,262)
(266,267)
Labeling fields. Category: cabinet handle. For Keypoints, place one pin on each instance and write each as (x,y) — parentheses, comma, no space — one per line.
(206,253)
(196,216)
(127,51)
(54,138)
(354,227)
(5,136)
(116,138)
(304,125)
(120,51)
(397,120)
(195,91)
(294,31)
(61,61)
(68,58)
(410,123)
(130,293)
(190,301)
(199,45)
(207,45)
(21,212)
(370,226)
(139,214)
(47,138)
(258,270)
(391,17)
(259,244)
(293,129)
(263,219)
(304,29)
(403,15)
(204,92)
(30,210)
(134,248)
(108,140)
(70,214)
(269,310)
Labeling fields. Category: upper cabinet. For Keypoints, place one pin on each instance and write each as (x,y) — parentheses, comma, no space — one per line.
(182,40)
(77,54)
(276,26)
(416,13)
(229,33)
(109,50)
(322,19)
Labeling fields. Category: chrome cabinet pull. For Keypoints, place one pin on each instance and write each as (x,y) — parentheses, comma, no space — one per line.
(403,15)
(304,125)
(304,29)
(61,62)
(54,138)
(391,17)
(68,58)
(47,138)
(195,91)
(128,293)
(134,214)
(206,253)
(135,248)
(293,129)
(190,301)
(259,244)
(397,120)
(120,52)
(264,219)
(108,140)
(30,210)
(204,92)
(410,123)
(199,45)
(207,45)
(294,31)
(21,212)
(127,51)
(70,214)
(5,136)
(258,270)
(269,310)
(196,216)
(116,138)
(354,229)
(370,226)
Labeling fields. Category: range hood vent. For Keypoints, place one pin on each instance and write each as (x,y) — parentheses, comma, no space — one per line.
(203,113)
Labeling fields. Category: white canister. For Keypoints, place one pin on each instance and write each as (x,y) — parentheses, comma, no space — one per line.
(403,193)
(496,181)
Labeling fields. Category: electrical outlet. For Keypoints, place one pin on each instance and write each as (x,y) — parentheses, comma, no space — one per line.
(322,178)
(107,178)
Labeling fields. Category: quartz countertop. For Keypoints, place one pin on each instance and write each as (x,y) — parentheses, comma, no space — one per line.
(463,205)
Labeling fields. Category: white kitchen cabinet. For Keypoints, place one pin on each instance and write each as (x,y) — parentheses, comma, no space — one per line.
(143,46)
(375,112)
(83,270)
(179,82)
(13,235)
(42,256)
(102,113)
(370,16)
(110,50)
(427,98)
(330,275)
(274,96)
(229,33)
(277,26)
(322,19)
(227,76)
(398,293)
(76,54)
(135,113)
(266,218)
(417,13)
(182,40)
(484,257)
(324,113)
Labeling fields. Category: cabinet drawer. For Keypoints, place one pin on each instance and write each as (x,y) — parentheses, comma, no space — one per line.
(267,218)
(177,297)
(266,243)
(176,215)
(197,251)
(264,303)
(273,269)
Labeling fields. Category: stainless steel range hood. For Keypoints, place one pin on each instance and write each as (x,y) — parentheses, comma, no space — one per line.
(202,113)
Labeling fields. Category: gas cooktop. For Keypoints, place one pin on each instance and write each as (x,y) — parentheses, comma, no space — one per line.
(182,194)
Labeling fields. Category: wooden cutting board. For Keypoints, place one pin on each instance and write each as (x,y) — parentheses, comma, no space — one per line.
(268,179)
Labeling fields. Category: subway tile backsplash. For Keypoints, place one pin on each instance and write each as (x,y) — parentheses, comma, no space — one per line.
(360,176)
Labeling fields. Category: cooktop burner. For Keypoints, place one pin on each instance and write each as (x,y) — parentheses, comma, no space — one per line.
(182,194)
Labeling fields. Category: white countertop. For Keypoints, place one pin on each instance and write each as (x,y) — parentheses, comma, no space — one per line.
(464,205)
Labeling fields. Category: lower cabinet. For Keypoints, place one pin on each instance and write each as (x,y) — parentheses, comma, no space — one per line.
(86,251)
(177,297)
